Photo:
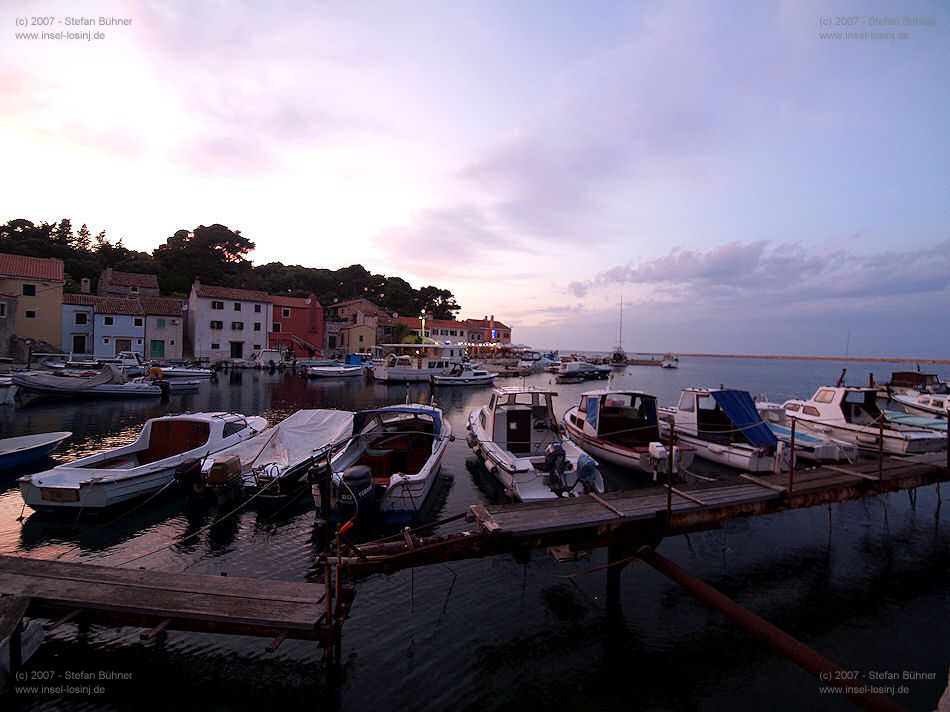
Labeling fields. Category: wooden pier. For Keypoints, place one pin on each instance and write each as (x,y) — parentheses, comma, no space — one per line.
(159,600)
(627,519)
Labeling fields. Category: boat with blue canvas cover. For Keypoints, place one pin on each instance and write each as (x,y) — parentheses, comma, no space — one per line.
(17,453)
(725,427)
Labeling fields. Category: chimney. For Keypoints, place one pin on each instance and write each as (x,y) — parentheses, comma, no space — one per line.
(85,285)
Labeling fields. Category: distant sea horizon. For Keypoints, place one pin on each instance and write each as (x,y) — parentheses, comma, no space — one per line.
(788,357)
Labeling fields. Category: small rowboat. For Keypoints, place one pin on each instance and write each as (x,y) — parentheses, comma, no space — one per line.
(23,450)
(334,371)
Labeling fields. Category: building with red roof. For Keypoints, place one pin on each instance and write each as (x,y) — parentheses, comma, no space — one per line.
(225,322)
(101,326)
(37,283)
(113,283)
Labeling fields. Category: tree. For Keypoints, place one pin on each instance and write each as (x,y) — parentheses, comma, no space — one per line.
(83,241)
(214,254)
(440,302)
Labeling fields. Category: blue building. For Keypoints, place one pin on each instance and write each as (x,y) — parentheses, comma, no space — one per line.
(102,326)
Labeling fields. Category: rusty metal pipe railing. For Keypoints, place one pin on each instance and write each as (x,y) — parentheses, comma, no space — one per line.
(777,639)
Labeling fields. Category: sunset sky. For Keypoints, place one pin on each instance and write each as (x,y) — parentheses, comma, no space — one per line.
(746,185)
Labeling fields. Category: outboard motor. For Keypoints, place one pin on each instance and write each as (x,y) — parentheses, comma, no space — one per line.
(554,464)
(354,493)
(164,387)
(587,473)
(188,473)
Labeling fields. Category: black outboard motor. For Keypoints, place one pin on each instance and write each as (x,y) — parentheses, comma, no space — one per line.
(165,388)
(188,473)
(554,464)
(354,494)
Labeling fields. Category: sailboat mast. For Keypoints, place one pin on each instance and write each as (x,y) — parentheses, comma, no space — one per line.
(621,321)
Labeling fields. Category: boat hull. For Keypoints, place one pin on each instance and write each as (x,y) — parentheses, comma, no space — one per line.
(20,457)
(868,438)
(735,455)
(635,458)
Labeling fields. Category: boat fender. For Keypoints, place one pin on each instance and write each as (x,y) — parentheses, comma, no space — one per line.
(155,373)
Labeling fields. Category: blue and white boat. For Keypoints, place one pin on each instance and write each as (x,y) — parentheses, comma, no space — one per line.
(19,452)
(808,446)
(725,427)
(389,466)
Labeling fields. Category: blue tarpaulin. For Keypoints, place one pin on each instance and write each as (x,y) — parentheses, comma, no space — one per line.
(593,411)
(739,408)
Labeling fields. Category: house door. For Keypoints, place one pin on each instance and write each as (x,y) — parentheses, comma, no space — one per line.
(156,348)
(123,345)
(79,343)
(519,431)
(237,349)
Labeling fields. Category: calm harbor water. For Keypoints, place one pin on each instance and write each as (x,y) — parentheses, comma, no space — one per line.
(871,592)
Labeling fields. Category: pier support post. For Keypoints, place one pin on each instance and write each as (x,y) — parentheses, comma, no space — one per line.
(616,553)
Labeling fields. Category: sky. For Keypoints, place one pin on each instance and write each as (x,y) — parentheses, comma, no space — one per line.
(743,183)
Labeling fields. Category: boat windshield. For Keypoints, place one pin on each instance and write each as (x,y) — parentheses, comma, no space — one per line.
(860,407)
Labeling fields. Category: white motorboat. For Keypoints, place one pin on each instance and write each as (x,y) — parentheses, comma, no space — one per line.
(339,371)
(518,437)
(725,427)
(670,361)
(176,372)
(851,414)
(389,466)
(464,374)
(24,450)
(408,363)
(110,382)
(924,403)
(276,461)
(621,427)
(264,359)
(145,466)
(576,371)
(807,445)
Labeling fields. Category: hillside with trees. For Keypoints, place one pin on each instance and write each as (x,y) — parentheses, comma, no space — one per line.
(215,254)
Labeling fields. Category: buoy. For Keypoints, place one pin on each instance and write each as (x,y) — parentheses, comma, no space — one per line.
(155,373)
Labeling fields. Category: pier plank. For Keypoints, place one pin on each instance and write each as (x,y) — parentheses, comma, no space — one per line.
(289,591)
(163,599)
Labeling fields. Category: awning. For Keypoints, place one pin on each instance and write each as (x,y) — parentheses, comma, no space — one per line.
(740,409)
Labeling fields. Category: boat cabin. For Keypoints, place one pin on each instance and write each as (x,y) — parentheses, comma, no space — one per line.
(623,418)
(917,381)
(857,406)
(521,420)
(724,416)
